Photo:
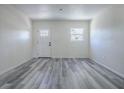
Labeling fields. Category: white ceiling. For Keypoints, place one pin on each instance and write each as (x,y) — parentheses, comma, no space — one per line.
(52,11)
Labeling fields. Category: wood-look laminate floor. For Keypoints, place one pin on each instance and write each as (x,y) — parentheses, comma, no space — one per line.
(64,73)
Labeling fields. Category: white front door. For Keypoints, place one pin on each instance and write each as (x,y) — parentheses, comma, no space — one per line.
(44,43)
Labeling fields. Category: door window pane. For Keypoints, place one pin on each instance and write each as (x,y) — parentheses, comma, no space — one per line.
(43,33)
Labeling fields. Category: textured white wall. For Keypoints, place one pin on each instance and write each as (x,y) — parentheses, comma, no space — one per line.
(60,36)
(107,38)
(15,38)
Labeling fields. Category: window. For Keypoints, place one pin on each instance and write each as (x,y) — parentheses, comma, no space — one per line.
(43,33)
(76,34)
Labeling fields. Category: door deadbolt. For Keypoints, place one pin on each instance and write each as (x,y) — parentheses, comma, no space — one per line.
(49,43)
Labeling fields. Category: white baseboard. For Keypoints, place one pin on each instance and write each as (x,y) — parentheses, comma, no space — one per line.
(119,74)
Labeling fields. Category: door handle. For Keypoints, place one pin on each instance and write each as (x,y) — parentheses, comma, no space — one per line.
(49,43)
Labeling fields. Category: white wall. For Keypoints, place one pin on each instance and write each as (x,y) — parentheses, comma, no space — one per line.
(60,36)
(107,38)
(15,38)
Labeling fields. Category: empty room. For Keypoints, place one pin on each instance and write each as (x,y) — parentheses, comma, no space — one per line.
(61,46)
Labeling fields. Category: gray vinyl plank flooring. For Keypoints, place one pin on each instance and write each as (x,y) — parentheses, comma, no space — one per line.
(60,73)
